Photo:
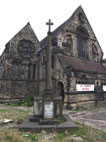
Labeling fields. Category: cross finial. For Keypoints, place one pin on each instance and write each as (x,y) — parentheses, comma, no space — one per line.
(49,24)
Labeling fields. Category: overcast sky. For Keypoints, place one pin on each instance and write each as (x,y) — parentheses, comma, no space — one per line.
(14,15)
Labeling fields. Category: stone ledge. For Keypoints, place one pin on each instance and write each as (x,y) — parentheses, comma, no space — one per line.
(35,126)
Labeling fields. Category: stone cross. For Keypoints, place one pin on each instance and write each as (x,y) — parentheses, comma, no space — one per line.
(48,82)
(49,24)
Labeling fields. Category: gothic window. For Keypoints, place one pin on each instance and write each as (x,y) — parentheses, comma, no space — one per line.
(94,52)
(17,67)
(79,42)
(34,68)
(14,70)
(67,42)
(82,36)
(19,71)
(43,59)
(29,71)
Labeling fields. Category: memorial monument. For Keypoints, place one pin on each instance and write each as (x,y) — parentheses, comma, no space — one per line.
(48,110)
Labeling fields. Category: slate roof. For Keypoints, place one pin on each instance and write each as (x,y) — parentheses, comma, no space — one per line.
(81,65)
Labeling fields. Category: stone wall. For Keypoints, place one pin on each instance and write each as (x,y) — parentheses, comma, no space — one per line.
(84,100)
(17,89)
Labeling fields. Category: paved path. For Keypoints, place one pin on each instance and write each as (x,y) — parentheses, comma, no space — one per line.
(95,118)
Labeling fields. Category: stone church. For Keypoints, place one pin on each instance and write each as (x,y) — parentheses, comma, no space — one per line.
(78,68)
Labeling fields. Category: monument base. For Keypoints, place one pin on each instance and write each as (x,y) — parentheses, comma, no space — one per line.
(34,125)
(48,115)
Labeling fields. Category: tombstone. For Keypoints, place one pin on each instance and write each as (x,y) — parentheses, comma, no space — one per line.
(48,110)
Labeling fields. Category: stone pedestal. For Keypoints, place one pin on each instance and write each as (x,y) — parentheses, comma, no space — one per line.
(37,108)
(47,116)
(48,109)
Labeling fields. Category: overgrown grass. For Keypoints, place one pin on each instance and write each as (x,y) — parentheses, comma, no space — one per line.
(14,135)
(87,133)
(14,114)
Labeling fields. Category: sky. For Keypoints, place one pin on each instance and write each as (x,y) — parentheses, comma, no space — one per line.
(15,14)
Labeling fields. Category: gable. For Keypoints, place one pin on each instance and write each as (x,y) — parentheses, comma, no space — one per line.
(76,24)
(26,35)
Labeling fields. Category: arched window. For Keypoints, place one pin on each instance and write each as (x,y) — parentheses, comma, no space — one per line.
(34,70)
(29,71)
(43,59)
(94,52)
(17,70)
(67,42)
(82,36)
(14,70)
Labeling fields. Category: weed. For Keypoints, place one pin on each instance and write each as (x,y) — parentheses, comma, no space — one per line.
(29,100)
(33,137)
(60,136)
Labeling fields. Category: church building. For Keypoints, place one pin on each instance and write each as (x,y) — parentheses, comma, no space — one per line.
(78,68)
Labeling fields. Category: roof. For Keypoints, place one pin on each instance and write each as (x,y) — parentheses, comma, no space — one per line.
(81,65)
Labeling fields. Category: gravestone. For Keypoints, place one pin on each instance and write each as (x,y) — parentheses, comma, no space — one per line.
(48,111)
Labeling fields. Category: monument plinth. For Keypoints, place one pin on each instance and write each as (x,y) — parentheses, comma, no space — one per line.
(48,109)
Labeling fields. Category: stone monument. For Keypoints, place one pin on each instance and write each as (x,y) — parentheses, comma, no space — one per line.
(48,110)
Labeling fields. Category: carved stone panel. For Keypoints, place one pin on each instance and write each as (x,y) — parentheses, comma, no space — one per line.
(48,109)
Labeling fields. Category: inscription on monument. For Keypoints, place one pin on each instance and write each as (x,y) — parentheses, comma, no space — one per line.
(48,109)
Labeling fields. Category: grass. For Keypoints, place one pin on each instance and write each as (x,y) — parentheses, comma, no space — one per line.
(87,133)
(14,135)
(60,136)
(12,114)
(33,137)
(4,110)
